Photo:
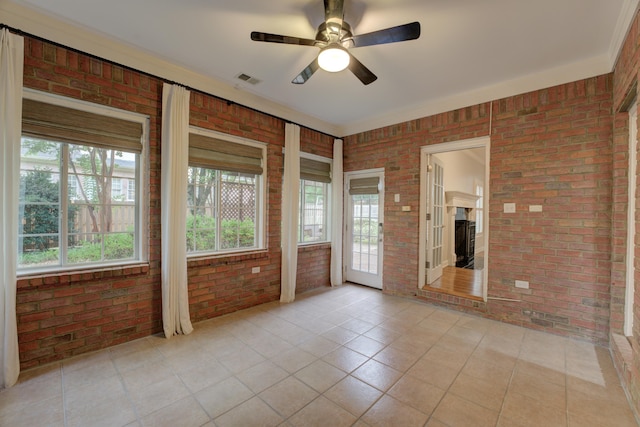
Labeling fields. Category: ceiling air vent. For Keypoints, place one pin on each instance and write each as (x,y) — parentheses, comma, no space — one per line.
(246,78)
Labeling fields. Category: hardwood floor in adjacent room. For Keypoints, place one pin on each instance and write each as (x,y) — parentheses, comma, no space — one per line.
(461,282)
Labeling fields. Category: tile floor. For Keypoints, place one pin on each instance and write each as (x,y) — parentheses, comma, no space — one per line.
(335,357)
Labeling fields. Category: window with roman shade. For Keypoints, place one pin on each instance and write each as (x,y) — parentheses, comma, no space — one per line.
(74,158)
(225,193)
(315,180)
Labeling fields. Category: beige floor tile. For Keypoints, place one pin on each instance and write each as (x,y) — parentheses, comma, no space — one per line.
(218,399)
(488,371)
(382,335)
(158,395)
(202,376)
(353,395)
(495,356)
(433,373)
(445,316)
(318,346)
(293,360)
(47,412)
(391,412)
(253,412)
(88,374)
(128,361)
(29,392)
(598,410)
(365,345)
(288,396)
(345,359)
(447,357)
(98,390)
(262,376)
(521,410)
(107,411)
(487,394)
(340,335)
(547,374)
(398,358)
(322,412)
(184,413)
(320,375)
(417,394)
(456,411)
(545,392)
(357,325)
(465,334)
(473,371)
(377,374)
(240,361)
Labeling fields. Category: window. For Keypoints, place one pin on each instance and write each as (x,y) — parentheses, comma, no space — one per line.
(116,188)
(225,194)
(131,190)
(73,159)
(479,206)
(315,176)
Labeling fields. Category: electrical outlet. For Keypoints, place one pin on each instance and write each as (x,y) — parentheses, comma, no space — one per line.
(509,208)
(522,284)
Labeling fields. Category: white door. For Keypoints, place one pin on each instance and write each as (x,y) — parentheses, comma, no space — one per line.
(436,258)
(364,227)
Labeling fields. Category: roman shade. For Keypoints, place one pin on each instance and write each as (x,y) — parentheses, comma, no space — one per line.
(214,153)
(64,124)
(314,170)
(364,185)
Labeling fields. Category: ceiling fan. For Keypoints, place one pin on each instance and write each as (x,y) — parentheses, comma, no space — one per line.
(334,37)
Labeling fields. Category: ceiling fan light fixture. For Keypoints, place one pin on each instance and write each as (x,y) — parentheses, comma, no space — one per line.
(334,58)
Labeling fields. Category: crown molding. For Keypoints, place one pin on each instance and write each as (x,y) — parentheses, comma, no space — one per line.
(51,28)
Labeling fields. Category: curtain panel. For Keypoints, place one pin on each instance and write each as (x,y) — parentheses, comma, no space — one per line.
(290,195)
(175,164)
(337,214)
(11,68)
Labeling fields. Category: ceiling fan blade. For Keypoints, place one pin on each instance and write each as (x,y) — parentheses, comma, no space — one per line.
(277,38)
(389,35)
(306,73)
(361,72)
(334,11)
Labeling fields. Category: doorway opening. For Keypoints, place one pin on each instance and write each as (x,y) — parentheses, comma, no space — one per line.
(454,231)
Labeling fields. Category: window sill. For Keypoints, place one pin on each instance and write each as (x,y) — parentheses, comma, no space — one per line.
(313,245)
(227,258)
(56,277)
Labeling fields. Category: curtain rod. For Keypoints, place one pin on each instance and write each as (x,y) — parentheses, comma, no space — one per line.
(162,79)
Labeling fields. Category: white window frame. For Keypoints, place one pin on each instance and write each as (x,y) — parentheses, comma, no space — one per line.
(141,249)
(261,196)
(327,201)
(629,306)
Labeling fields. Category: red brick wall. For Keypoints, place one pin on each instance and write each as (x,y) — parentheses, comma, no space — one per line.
(71,313)
(550,147)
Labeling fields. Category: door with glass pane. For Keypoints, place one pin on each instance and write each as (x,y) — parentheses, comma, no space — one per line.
(364,227)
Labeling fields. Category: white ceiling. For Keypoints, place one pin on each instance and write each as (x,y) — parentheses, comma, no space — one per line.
(470,51)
